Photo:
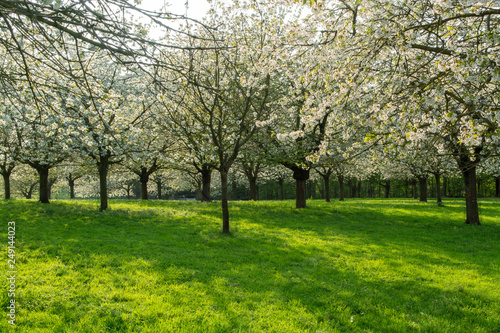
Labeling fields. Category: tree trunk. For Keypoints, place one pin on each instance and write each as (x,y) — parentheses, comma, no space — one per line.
(326,180)
(30,191)
(281,188)
(51,182)
(414,188)
(423,188)
(497,186)
(6,183)
(359,189)
(43,173)
(471,206)
(206,179)
(387,188)
(71,183)
(144,190)
(309,185)
(234,190)
(103,166)
(158,188)
(438,188)
(253,188)
(341,187)
(224,203)
(144,178)
(300,193)
(301,176)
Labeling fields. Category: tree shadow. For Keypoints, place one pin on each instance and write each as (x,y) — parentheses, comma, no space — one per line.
(328,267)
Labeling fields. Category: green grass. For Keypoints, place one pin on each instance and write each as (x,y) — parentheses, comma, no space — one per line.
(353,266)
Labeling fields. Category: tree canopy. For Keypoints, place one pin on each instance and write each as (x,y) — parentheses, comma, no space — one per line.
(332,85)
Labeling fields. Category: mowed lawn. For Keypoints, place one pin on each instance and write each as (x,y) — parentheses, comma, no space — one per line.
(353,266)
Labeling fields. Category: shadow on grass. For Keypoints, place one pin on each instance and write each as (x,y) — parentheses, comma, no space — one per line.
(340,267)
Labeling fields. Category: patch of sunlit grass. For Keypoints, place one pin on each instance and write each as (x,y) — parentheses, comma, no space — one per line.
(353,266)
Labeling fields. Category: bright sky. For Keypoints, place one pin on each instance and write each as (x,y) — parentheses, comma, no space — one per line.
(196,8)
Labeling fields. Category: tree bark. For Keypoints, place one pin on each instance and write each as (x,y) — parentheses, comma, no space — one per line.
(387,188)
(43,173)
(51,182)
(206,179)
(71,183)
(326,180)
(471,206)
(158,188)
(103,167)
(144,177)
(144,190)
(414,188)
(251,170)
(341,187)
(6,183)
(309,187)
(253,188)
(224,203)
(300,193)
(423,188)
(437,176)
(301,176)
(30,191)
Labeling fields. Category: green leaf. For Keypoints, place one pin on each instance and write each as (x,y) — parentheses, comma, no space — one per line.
(305,2)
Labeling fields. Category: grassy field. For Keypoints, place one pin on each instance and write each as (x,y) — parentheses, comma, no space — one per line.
(353,266)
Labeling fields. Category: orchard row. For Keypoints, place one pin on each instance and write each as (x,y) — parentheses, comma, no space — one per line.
(351,89)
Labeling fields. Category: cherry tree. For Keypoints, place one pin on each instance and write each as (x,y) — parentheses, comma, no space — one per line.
(10,148)
(149,147)
(161,178)
(73,169)
(444,80)
(178,121)
(119,27)
(44,144)
(101,109)
(278,173)
(251,163)
(428,67)
(24,181)
(227,89)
